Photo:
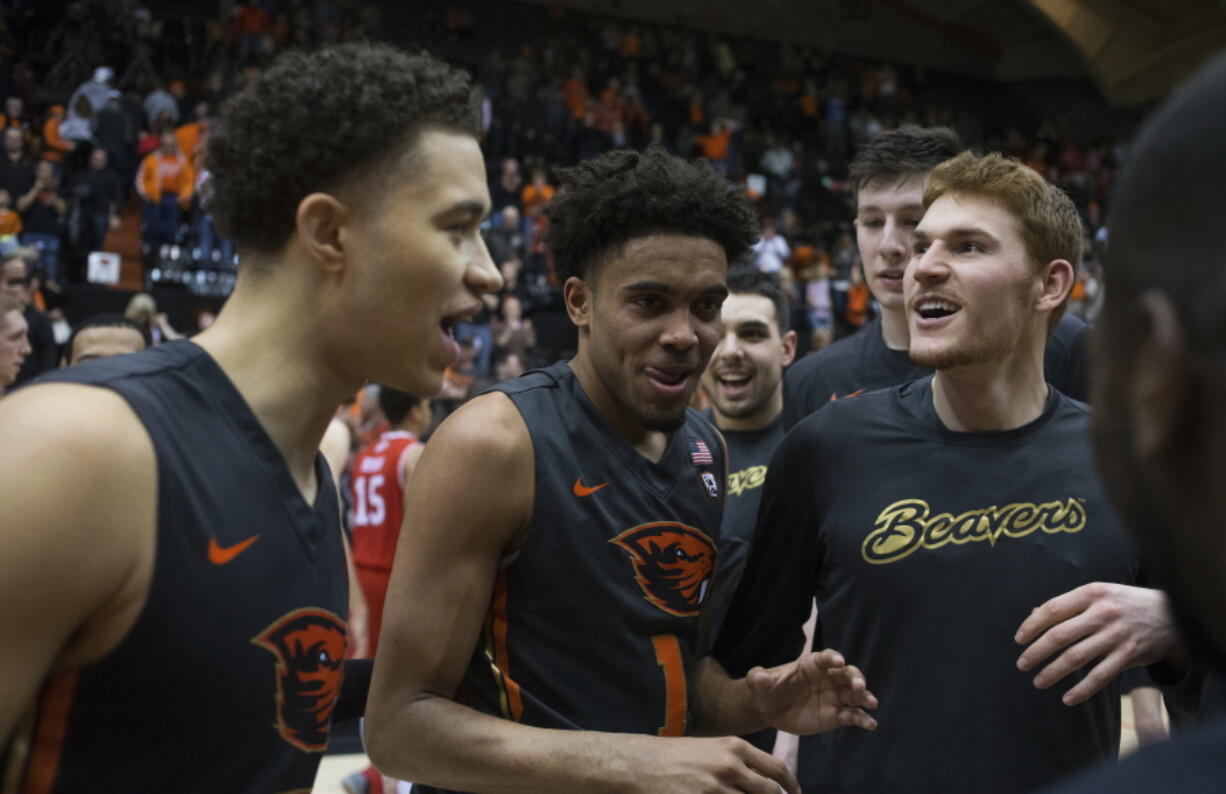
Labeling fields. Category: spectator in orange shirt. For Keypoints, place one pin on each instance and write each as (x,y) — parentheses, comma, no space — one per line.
(10,221)
(189,136)
(715,146)
(251,23)
(165,183)
(574,93)
(537,194)
(55,146)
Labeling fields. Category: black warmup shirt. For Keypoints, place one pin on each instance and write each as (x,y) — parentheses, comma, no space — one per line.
(862,363)
(593,621)
(926,549)
(749,453)
(228,679)
(1192,762)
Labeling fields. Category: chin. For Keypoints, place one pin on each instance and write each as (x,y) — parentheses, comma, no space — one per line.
(936,356)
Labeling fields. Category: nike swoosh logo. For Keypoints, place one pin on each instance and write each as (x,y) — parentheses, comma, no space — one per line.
(835,398)
(219,555)
(582,490)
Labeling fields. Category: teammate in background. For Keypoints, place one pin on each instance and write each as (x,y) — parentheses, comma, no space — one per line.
(928,519)
(176,591)
(376,493)
(889,174)
(745,384)
(103,336)
(563,534)
(1158,390)
(14,343)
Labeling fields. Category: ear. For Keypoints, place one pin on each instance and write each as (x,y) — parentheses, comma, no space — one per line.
(1058,277)
(1156,385)
(789,347)
(321,227)
(577,295)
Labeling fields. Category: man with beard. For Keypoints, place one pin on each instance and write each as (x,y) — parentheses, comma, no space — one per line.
(930,518)
(1158,429)
(889,175)
(745,383)
(542,623)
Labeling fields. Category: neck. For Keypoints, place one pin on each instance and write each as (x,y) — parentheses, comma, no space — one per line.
(755,421)
(649,443)
(993,396)
(266,343)
(894,328)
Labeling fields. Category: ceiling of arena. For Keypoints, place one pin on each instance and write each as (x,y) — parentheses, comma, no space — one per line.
(1134,50)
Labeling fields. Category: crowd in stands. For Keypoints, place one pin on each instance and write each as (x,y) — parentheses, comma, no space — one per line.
(781,121)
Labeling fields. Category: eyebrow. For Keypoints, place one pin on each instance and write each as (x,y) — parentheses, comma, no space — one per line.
(667,289)
(753,324)
(959,233)
(469,207)
(878,208)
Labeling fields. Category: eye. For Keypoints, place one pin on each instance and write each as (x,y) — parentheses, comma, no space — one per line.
(912,222)
(873,223)
(709,307)
(753,335)
(649,302)
(921,248)
(971,248)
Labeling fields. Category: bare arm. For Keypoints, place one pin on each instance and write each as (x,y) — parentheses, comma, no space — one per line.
(447,558)
(78,546)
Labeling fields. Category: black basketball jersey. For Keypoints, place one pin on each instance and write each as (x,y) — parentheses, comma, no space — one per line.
(593,621)
(228,679)
(862,362)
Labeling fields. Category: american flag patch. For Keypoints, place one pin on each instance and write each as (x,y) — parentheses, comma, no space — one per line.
(699,454)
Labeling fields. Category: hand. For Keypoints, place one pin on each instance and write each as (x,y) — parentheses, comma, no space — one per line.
(1120,625)
(817,692)
(711,766)
(113,222)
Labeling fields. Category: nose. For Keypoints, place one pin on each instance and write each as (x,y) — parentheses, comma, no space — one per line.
(895,243)
(482,275)
(930,266)
(679,332)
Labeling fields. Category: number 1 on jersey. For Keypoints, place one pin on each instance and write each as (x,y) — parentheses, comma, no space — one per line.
(668,656)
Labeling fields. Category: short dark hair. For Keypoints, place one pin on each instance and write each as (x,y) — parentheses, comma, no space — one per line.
(745,279)
(622,195)
(1166,230)
(396,404)
(107,320)
(906,151)
(319,121)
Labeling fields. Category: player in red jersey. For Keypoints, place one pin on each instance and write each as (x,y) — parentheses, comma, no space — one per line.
(376,496)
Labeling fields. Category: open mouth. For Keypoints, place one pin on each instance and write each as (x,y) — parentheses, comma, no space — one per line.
(733,384)
(893,274)
(936,308)
(670,380)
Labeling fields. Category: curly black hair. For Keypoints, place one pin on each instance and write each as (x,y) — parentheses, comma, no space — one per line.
(314,121)
(622,195)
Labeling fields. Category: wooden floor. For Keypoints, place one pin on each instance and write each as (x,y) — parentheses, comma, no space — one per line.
(335,767)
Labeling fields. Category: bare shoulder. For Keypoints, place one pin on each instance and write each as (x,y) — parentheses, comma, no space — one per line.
(483,448)
(78,492)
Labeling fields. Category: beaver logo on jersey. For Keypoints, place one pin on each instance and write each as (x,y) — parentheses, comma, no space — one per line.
(672,564)
(310,648)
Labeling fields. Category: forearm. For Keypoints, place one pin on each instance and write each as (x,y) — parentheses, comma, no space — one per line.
(720,704)
(434,741)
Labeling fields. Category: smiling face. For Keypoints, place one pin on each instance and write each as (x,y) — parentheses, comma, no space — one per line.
(888,209)
(745,377)
(648,325)
(419,265)
(970,287)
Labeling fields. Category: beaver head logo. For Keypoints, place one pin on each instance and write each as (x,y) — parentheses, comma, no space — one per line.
(672,564)
(310,648)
